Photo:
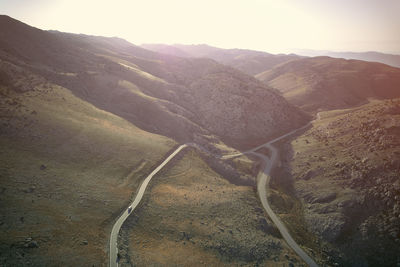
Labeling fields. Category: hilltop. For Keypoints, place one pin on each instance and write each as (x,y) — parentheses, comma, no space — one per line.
(324,83)
(372,56)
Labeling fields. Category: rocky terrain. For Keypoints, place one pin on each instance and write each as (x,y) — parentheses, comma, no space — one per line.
(324,83)
(345,170)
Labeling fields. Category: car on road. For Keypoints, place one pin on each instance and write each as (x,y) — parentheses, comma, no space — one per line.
(129,209)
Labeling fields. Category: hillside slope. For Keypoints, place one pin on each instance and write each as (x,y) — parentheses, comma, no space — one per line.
(249,61)
(184,98)
(324,83)
(67,169)
(345,170)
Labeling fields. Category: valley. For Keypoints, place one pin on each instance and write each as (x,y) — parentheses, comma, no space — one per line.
(113,154)
(262,181)
(198,217)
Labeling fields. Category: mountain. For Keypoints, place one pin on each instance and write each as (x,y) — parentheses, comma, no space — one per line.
(345,171)
(249,61)
(183,98)
(388,59)
(324,83)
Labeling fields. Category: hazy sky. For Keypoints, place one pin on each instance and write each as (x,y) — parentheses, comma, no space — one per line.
(273,26)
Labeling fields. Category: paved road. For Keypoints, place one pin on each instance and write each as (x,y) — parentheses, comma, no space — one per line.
(262,188)
(263,145)
(138,198)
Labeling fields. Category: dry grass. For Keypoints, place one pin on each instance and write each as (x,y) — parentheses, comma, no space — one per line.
(323,83)
(92,163)
(196,217)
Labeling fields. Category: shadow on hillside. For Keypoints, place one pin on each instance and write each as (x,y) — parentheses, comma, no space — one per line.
(283,197)
(281,173)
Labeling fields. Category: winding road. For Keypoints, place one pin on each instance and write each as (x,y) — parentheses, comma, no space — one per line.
(263,179)
(134,204)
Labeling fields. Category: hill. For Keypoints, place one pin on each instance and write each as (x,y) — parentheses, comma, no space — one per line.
(345,171)
(324,83)
(249,61)
(67,169)
(388,59)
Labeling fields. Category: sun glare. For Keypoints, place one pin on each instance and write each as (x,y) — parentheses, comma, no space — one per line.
(273,26)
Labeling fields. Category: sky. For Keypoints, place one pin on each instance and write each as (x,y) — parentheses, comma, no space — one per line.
(279,26)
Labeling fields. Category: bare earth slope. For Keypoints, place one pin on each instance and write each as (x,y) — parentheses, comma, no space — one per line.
(324,83)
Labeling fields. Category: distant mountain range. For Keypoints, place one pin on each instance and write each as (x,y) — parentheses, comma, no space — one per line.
(312,83)
(249,61)
(389,59)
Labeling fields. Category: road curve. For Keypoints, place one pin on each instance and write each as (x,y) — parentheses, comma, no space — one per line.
(117,225)
(263,185)
(264,145)
(263,180)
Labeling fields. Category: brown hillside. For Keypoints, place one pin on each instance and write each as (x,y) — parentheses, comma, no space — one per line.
(345,171)
(324,83)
